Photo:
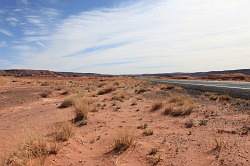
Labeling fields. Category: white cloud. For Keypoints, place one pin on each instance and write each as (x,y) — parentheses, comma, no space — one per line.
(12,21)
(160,36)
(5,32)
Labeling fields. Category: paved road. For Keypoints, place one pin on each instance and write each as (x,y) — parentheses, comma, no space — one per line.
(234,88)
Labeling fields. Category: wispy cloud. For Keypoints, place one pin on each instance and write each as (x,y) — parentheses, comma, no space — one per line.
(99,48)
(6,32)
(170,35)
(12,21)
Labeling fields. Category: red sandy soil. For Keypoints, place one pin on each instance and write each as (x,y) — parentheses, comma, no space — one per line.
(220,134)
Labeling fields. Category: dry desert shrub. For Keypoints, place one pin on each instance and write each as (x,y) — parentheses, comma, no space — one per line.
(156,106)
(141,90)
(33,151)
(223,98)
(179,110)
(68,102)
(219,145)
(167,87)
(105,91)
(81,109)
(219,98)
(153,151)
(45,94)
(118,97)
(62,132)
(179,105)
(122,143)
(148,132)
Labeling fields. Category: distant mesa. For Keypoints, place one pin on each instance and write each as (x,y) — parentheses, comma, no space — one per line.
(240,75)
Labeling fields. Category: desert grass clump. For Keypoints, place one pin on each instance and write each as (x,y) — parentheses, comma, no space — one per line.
(62,132)
(105,91)
(181,111)
(33,151)
(66,103)
(45,94)
(224,98)
(168,109)
(168,87)
(143,126)
(156,106)
(153,151)
(141,90)
(122,143)
(81,109)
(148,132)
(179,106)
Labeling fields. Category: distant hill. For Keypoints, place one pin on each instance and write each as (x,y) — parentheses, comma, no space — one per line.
(200,74)
(242,74)
(42,73)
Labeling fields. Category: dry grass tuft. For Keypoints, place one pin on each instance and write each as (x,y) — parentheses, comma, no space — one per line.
(66,103)
(81,109)
(45,94)
(141,90)
(144,126)
(148,132)
(105,91)
(33,151)
(223,98)
(153,151)
(156,106)
(122,143)
(62,132)
(179,106)
(219,145)
(167,87)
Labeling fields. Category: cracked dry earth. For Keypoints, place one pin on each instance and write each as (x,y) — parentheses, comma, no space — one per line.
(215,132)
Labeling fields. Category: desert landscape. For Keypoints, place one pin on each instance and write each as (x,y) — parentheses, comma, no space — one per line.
(124,83)
(118,120)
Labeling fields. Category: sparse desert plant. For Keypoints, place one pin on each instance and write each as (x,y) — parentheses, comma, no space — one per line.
(81,109)
(213,97)
(66,103)
(122,143)
(154,160)
(144,126)
(153,151)
(118,97)
(156,106)
(219,144)
(105,91)
(148,132)
(181,111)
(168,109)
(223,98)
(65,92)
(34,150)
(62,132)
(45,94)
(168,87)
(139,91)
(179,106)
(177,100)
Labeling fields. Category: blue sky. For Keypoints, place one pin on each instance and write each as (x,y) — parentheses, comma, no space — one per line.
(125,36)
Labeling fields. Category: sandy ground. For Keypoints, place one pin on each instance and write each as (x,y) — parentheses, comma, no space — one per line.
(217,132)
